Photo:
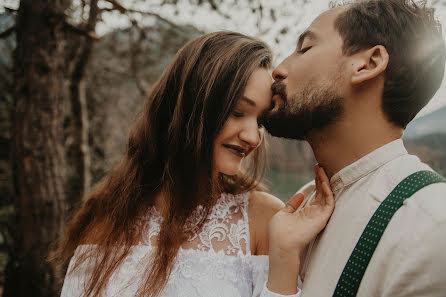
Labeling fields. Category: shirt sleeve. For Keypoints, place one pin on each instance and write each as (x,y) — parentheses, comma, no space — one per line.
(260,265)
(73,285)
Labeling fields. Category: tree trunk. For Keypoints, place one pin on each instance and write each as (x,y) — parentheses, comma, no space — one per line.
(38,154)
(79,150)
(80,177)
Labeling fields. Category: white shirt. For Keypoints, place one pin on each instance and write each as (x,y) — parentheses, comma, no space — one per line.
(410,259)
(216,262)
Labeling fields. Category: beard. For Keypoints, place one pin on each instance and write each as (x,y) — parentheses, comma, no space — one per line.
(312,109)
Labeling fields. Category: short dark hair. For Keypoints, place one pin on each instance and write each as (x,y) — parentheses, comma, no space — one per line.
(413,38)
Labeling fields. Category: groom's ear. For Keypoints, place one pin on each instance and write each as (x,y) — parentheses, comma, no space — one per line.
(368,64)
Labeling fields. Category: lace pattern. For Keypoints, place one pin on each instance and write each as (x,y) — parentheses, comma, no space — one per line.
(217,262)
(226,227)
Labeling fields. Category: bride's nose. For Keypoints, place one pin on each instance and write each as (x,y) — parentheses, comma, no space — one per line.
(250,134)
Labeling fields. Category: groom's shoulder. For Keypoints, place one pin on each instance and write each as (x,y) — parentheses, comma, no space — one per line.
(414,241)
(430,201)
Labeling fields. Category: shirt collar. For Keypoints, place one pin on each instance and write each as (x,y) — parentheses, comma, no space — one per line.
(370,162)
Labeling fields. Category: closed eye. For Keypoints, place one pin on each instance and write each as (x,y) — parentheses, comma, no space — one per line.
(237,114)
(304,50)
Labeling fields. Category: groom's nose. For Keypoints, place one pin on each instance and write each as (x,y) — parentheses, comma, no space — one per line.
(280,73)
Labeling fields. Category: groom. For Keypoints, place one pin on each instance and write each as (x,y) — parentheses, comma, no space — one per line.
(359,75)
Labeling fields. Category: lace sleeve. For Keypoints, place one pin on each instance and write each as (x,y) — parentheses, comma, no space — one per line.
(260,266)
(73,285)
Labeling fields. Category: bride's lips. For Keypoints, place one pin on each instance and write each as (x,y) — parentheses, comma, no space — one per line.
(276,102)
(276,97)
(236,150)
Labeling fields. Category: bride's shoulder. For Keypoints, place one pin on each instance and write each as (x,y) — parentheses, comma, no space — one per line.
(264,203)
(261,207)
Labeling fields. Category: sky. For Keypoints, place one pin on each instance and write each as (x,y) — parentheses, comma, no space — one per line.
(281,32)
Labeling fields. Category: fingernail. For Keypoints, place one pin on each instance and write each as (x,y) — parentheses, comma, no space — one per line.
(289,208)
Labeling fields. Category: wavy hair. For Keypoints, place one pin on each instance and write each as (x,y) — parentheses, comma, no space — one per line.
(169,153)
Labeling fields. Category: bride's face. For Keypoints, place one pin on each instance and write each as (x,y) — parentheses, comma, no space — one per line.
(241,133)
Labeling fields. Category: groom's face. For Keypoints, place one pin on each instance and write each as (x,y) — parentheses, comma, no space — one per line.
(310,84)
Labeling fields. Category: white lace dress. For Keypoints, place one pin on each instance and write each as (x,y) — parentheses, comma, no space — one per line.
(214,263)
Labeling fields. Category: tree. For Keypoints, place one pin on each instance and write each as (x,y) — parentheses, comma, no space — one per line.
(38,151)
(49,134)
(50,163)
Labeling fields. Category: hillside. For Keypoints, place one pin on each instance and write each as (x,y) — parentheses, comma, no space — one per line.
(426,138)
(431,149)
(433,123)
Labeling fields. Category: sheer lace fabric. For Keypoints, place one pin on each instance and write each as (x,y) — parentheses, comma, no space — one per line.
(216,262)
(225,229)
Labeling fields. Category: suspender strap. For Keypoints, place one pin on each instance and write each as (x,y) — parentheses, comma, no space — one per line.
(356,265)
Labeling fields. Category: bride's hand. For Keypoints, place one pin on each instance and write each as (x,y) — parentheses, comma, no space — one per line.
(290,230)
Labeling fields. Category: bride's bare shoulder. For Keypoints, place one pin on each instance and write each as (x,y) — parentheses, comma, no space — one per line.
(264,203)
(261,207)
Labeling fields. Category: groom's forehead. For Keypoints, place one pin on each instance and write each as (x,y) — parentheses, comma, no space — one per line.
(324,24)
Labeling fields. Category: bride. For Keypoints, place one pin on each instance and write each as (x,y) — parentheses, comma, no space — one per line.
(178,216)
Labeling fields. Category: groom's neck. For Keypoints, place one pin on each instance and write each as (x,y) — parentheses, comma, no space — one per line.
(351,138)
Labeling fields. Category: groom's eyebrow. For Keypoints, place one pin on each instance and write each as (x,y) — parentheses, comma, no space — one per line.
(306,34)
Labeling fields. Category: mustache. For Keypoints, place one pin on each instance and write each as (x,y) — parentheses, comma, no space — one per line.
(279,88)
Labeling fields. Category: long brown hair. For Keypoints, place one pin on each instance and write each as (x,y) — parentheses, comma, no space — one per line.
(169,152)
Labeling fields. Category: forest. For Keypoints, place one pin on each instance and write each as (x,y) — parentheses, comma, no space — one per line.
(68,97)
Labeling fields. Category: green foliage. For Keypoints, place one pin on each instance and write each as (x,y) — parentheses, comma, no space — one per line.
(285,183)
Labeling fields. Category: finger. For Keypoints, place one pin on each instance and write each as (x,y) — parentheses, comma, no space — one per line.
(325,180)
(293,204)
(316,178)
(317,181)
(316,170)
(328,194)
(318,198)
(322,175)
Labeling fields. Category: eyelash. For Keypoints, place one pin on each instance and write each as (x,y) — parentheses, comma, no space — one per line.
(237,114)
(240,115)
(304,50)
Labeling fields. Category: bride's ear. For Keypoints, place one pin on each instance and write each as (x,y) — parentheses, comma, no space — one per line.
(369,64)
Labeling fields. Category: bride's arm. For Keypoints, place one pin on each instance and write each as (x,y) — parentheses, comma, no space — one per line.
(261,208)
(291,230)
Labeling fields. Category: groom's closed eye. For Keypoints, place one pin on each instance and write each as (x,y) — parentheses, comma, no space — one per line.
(305,41)
(304,50)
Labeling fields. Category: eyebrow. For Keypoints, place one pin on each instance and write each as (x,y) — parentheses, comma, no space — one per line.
(249,101)
(306,34)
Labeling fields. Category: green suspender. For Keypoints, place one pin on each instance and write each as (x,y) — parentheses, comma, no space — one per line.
(356,266)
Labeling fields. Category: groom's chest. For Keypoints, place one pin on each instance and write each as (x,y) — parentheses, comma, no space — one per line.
(327,254)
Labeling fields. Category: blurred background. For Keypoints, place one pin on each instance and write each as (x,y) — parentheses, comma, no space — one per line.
(73,77)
